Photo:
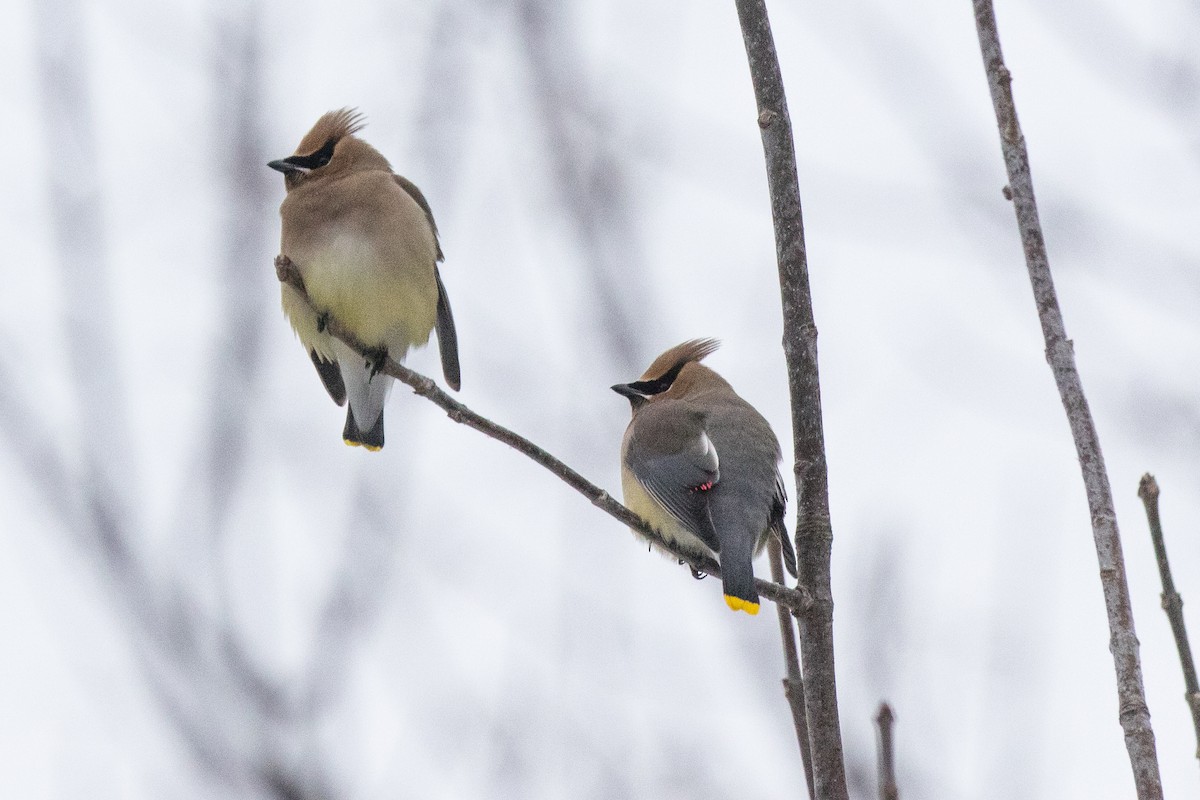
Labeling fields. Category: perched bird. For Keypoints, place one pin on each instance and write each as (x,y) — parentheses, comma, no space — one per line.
(364,241)
(702,466)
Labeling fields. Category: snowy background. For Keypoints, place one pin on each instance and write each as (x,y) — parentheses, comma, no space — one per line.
(205,594)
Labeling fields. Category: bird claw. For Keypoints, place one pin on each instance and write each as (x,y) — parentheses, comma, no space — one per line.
(376,359)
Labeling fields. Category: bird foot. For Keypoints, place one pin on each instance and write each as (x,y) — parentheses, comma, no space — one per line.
(376,359)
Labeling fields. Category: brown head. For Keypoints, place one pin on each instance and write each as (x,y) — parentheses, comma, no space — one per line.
(676,373)
(330,149)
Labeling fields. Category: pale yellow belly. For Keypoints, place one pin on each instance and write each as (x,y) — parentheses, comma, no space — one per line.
(639,501)
(385,297)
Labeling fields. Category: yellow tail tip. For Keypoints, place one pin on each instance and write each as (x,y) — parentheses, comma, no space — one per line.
(372,447)
(352,443)
(738,604)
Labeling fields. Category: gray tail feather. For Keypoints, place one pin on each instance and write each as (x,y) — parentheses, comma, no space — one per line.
(372,439)
(738,533)
(367,393)
(737,576)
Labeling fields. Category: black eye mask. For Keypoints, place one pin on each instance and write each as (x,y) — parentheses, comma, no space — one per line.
(659,384)
(316,160)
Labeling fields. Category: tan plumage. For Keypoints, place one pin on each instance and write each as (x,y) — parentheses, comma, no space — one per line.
(366,246)
(700,464)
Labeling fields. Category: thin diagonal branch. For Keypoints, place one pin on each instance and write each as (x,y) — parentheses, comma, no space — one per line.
(793,682)
(814,532)
(795,599)
(1172,601)
(1134,713)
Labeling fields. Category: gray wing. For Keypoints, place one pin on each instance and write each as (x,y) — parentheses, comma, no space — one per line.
(680,482)
(331,376)
(777,526)
(446,333)
(415,193)
(447,336)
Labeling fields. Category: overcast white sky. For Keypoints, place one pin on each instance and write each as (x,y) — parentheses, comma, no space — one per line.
(204,594)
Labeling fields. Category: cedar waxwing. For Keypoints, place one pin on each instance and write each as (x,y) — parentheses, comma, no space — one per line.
(702,466)
(365,243)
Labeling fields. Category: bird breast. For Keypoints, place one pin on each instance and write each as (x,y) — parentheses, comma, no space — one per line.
(368,261)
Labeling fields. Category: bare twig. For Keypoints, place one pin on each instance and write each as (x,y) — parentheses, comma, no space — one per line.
(1134,714)
(795,599)
(888,790)
(793,682)
(1172,601)
(814,533)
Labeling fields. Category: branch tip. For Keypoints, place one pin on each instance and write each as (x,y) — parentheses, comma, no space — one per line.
(1148,488)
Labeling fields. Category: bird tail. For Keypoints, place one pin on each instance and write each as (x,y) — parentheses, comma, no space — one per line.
(737,528)
(372,439)
(367,393)
(737,580)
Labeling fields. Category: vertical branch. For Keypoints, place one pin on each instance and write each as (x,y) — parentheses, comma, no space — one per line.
(814,533)
(793,683)
(1172,602)
(1134,714)
(888,789)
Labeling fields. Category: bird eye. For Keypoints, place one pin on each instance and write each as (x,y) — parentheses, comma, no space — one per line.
(322,156)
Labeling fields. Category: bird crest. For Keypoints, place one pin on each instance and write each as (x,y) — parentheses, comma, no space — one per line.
(332,127)
(666,368)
